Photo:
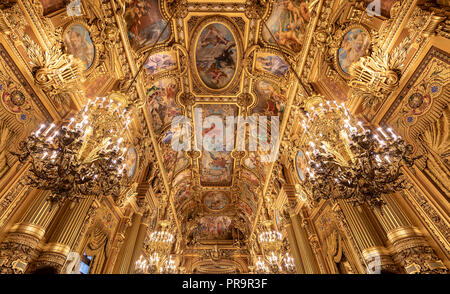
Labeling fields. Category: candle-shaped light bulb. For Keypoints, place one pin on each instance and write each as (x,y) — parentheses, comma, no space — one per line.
(72,119)
(387,158)
(360,124)
(383,133)
(377,158)
(39,130)
(392,133)
(44,155)
(48,130)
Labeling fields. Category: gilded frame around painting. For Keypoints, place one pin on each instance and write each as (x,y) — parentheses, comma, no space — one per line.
(340,36)
(81,23)
(228,24)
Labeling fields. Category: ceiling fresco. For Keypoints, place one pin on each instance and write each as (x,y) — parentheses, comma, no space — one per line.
(224,67)
(227,76)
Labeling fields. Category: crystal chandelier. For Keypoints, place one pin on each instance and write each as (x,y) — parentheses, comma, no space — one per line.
(288,263)
(84,156)
(159,246)
(261,267)
(347,160)
(169,266)
(271,242)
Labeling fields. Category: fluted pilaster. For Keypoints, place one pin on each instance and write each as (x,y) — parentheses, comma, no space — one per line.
(294,249)
(19,248)
(126,252)
(65,234)
(411,250)
(370,244)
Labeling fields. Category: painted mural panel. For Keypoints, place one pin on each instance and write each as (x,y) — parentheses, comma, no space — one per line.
(78,42)
(249,177)
(215,200)
(131,162)
(300,165)
(214,228)
(161,101)
(182,195)
(216,163)
(355,44)
(145,23)
(159,62)
(271,101)
(288,23)
(273,64)
(181,177)
(216,55)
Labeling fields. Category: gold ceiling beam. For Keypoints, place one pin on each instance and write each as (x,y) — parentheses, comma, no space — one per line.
(297,71)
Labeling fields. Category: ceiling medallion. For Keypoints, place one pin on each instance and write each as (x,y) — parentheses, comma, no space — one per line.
(216,49)
(215,200)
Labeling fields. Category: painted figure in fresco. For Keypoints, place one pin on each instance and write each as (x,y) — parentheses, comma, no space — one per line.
(131,162)
(159,62)
(287,23)
(215,201)
(79,44)
(215,227)
(354,45)
(212,37)
(182,194)
(219,162)
(162,106)
(144,22)
(271,102)
(300,162)
(216,167)
(216,55)
(273,64)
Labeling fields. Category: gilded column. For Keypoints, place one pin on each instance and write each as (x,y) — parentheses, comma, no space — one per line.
(294,249)
(139,244)
(125,254)
(19,247)
(65,234)
(117,245)
(376,257)
(314,241)
(307,255)
(411,250)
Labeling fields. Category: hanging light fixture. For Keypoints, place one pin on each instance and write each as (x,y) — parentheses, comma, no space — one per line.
(349,161)
(271,242)
(159,246)
(288,264)
(84,156)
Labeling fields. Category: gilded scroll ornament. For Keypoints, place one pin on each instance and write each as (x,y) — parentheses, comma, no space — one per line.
(374,77)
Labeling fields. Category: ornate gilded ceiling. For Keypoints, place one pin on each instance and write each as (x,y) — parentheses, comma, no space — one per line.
(221,60)
(227,58)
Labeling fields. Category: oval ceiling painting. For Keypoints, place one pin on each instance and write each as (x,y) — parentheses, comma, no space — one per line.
(216,55)
(355,45)
(131,162)
(78,42)
(216,200)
